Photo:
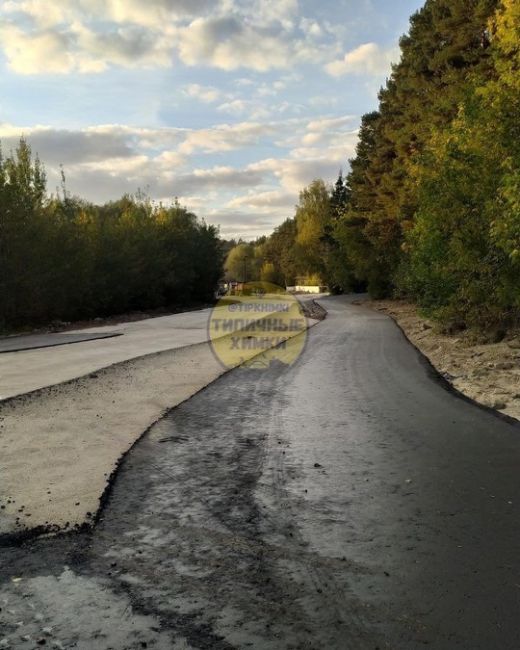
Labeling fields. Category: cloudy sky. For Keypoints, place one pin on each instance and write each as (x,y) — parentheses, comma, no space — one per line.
(231,105)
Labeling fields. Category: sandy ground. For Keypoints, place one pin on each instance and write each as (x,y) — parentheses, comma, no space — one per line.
(487,373)
(60,445)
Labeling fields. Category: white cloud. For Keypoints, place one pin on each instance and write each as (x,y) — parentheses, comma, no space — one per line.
(197,203)
(44,14)
(125,46)
(243,82)
(244,224)
(323,133)
(171,159)
(238,107)
(229,43)
(367,59)
(234,107)
(103,162)
(151,12)
(44,51)
(331,123)
(122,154)
(321,101)
(88,36)
(281,11)
(116,140)
(58,50)
(113,178)
(311,27)
(293,175)
(61,146)
(264,201)
(225,137)
(339,153)
(115,166)
(206,94)
(225,176)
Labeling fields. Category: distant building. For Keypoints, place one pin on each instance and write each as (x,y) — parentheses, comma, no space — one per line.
(234,287)
(304,288)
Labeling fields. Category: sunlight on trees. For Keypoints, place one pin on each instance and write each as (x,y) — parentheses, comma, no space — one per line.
(62,258)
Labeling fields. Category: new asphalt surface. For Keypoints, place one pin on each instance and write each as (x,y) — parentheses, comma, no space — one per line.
(38,341)
(348,501)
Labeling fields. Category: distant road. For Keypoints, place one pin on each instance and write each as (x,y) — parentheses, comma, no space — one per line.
(59,359)
(348,501)
(21,372)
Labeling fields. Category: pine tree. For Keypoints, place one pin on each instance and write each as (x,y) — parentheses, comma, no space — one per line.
(444,51)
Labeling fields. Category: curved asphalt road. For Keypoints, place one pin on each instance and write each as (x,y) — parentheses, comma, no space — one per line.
(346,502)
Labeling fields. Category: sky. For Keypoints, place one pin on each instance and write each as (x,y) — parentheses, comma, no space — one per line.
(233,106)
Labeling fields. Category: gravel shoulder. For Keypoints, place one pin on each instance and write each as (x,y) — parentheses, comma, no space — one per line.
(488,373)
(60,445)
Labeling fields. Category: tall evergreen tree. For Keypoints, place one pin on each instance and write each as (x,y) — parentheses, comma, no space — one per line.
(446,48)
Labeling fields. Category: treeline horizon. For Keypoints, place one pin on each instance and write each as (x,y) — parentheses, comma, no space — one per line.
(64,259)
(430,209)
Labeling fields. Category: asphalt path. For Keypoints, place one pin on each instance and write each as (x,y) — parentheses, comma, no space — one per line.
(347,501)
(38,341)
(32,362)
(53,362)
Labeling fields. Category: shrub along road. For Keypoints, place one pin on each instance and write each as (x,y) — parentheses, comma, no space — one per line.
(347,501)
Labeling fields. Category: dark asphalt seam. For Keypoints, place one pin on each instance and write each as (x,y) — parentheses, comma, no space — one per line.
(100,337)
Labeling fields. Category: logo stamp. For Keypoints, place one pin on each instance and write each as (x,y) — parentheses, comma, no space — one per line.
(257,324)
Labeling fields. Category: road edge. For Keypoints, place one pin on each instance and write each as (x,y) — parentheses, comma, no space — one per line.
(28,535)
(440,379)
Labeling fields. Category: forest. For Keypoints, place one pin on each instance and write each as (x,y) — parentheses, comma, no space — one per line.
(429,210)
(64,259)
